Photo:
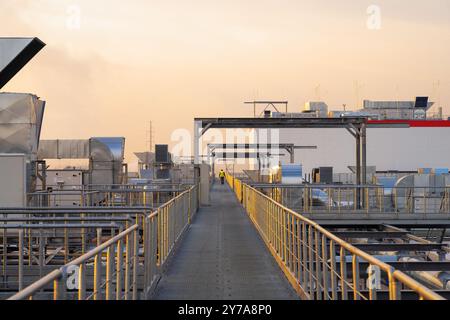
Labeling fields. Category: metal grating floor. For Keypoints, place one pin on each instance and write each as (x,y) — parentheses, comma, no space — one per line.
(222,257)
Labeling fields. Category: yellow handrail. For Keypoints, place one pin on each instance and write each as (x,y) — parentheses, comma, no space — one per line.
(161,231)
(306,252)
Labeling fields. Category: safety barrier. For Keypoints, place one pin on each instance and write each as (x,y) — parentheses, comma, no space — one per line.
(319,198)
(105,195)
(318,264)
(236,185)
(140,251)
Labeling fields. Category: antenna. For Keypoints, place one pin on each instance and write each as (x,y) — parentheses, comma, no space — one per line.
(317,92)
(358,87)
(398,98)
(436,92)
(150,136)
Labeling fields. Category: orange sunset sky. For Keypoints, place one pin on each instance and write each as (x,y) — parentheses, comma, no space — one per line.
(128,62)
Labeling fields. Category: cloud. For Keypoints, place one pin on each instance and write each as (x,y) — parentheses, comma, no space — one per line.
(171,61)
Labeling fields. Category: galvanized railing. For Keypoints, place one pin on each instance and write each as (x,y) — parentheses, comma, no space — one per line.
(59,277)
(318,264)
(36,240)
(80,196)
(138,252)
(25,246)
(365,198)
(236,185)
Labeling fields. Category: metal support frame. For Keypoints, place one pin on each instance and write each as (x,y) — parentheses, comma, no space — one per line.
(355,125)
(289,147)
(268,104)
(360,135)
(157,234)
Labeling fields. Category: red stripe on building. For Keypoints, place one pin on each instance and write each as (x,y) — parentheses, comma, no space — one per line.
(414,123)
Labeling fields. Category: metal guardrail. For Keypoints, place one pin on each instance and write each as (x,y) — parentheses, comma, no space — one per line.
(105,195)
(308,254)
(139,251)
(21,239)
(236,185)
(364,199)
(56,233)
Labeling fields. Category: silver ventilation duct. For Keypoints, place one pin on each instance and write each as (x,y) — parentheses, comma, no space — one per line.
(21,117)
(420,193)
(21,114)
(106,156)
(64,149)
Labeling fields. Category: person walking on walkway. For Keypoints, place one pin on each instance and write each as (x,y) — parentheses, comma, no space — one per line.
(222,176)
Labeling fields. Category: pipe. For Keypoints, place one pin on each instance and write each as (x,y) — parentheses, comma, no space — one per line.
(438,279)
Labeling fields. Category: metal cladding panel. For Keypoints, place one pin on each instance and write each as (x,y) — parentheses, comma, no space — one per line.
(40,108)
(403,149)
(15,53)
(64,149)
(13,186)
(368,104)
(21,116)
(145,157)
(441,171)
(65,179)
(102,177)
(163,174)
(291,174)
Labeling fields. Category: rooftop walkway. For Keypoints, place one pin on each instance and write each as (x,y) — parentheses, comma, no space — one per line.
(223,257)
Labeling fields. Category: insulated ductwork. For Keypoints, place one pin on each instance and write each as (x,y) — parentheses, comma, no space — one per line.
(106,156)
(64,149)
(21,116)
(420,193)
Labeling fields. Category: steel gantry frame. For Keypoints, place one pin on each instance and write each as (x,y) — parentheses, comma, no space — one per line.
(289,147)
(356,126)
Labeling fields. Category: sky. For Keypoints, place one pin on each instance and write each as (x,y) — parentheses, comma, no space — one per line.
(112,66)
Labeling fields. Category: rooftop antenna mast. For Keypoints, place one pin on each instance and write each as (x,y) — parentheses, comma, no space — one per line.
(358,87)
(151,136)
(437,92)
(317,92)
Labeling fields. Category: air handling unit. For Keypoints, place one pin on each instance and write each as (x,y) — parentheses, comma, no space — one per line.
(21,116)
(105,154)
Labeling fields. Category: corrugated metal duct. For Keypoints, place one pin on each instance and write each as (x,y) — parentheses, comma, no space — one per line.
(21,116)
